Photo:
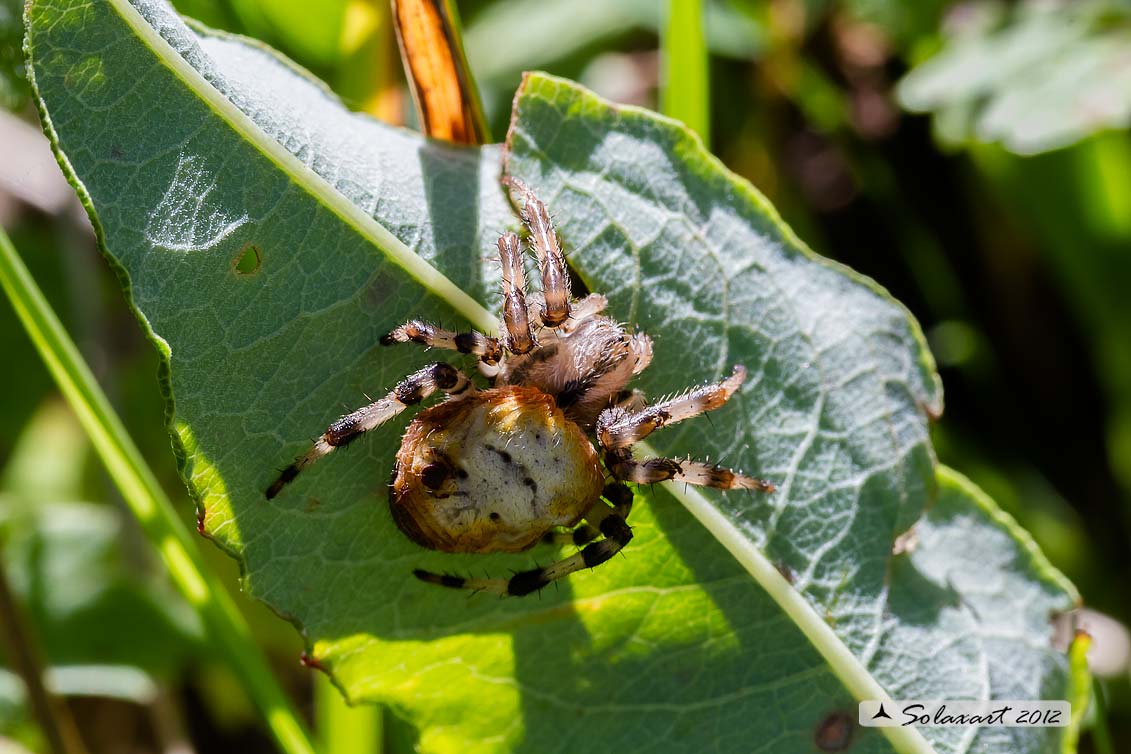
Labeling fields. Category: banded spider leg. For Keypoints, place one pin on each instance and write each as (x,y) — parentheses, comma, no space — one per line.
(619,429)
(411,390)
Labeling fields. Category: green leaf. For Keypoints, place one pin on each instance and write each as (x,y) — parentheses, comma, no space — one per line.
(1054,74)
(189,146)
(979,587)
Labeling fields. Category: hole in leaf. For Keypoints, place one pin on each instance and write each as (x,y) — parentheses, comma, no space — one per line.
(247,262)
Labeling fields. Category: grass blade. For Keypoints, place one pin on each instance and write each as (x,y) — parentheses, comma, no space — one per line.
(343,729)
(225,626)
(1101,736)
(447,102)
(684,86)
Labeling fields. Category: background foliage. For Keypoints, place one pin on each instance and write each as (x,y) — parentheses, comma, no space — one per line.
(1001,217)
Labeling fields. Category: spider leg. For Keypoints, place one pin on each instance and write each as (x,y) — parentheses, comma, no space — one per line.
(651,470)
(583,308)
(630,400)
(617,535)
(618,428)
(551,261)
(581,535)
(520,338)
(410,390)
(642,348)
(417,331)
(618,494)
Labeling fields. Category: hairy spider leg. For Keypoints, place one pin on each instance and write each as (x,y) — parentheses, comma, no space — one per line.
(652,470)
(584,308)
(615,530)
(580,535)
(417,331)
(411,390)
(630,400)
(551,261)
(618,430)
(642,347)
(618,494)
(516,320)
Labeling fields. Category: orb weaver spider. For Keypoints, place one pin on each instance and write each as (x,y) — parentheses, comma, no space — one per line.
(502,468)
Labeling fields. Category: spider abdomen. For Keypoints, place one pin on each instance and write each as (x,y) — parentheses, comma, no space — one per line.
(493,472)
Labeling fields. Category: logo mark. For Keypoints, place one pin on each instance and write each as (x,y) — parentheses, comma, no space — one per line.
(964,713)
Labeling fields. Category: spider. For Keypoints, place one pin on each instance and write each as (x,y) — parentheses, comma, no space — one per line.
(502,468)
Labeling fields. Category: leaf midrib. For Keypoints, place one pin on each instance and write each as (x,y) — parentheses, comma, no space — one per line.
(302,176)
(846,666)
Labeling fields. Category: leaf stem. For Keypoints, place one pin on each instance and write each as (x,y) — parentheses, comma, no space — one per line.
(226,628)
(685,92)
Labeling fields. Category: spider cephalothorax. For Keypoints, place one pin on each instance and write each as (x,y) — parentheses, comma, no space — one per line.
(502,468)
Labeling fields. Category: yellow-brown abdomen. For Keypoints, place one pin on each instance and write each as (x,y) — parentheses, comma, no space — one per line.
(492,472)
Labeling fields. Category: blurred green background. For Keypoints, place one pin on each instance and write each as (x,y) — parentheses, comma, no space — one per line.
(973,157)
